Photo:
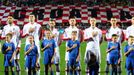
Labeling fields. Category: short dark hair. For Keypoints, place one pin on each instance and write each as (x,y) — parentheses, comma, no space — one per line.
(72,17)
(114,35)
(131,37)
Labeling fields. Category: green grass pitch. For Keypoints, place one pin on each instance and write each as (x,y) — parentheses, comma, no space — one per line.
(62,59)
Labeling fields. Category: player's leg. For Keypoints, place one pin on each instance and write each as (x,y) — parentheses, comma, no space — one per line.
(107,65)
(17,64)
(51,69)
(128,66)
(46,69)
(38,67)
(119,68)
(6,71)
(12,70)
(57,58)
(34,71)
(29,70)
(67,63)
(77,68)
(87,70)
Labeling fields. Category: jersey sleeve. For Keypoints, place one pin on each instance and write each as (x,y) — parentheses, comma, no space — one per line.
(3,33)
(42,46)
(125,48)
(25,31)
(108,47)
(54,44)
(13,47)
(3,48)
(26,48)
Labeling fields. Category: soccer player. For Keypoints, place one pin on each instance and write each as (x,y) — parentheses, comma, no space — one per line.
(95,34)
(14,30)
(67,36)
(114,29)
(56,36)
(31,51)
(73,47)
(113,50)
(129,53)
(8,49)
(34,29)
(130,29)
(48,47)
(91,60)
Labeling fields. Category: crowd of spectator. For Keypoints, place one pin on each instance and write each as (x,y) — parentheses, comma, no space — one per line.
(21,3)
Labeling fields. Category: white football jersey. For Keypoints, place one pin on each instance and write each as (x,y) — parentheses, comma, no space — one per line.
(68,32)
(36,33)
(12,28)
(88,34)
(130,31)
(116,31)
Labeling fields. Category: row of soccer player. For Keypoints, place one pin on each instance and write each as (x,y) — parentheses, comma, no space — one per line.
(51,42)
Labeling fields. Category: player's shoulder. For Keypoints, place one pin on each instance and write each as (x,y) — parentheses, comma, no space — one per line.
(37,24)
(129,27)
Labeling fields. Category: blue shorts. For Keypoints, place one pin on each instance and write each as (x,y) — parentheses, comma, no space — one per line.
(129,63)
(47,58)
(72,62)
(30,62)
(7,62)
(113,59)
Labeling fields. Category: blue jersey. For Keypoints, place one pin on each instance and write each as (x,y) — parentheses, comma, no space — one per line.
(116,50)
(8,54)
(49,50)
(6,45)
(33,52)
(75,51)
(127,47)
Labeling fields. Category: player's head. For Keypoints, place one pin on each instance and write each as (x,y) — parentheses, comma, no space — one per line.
(130,39)
(93,22)
(32,18)
(52,23)
(114,37)
(8,37)
(74,35)
(72,21)
(48,33)
(113,21)
(10,19)
(132,20)
(31,39)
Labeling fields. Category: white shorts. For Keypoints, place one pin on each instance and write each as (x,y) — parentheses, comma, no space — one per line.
(67,56)
(17,56)
(107,58)
(57,56)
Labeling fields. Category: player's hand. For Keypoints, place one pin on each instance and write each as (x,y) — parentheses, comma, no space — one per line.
(9,48)
(94,34)
(78,59)
(131,49)
(119,61)
(53,35)
(75,45)
(31,30)
(11,59)
(31,47)
(113,47)
(48,45)
(12,33)
(52,60)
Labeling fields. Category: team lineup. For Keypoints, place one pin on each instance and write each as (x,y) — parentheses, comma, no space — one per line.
(73,36)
